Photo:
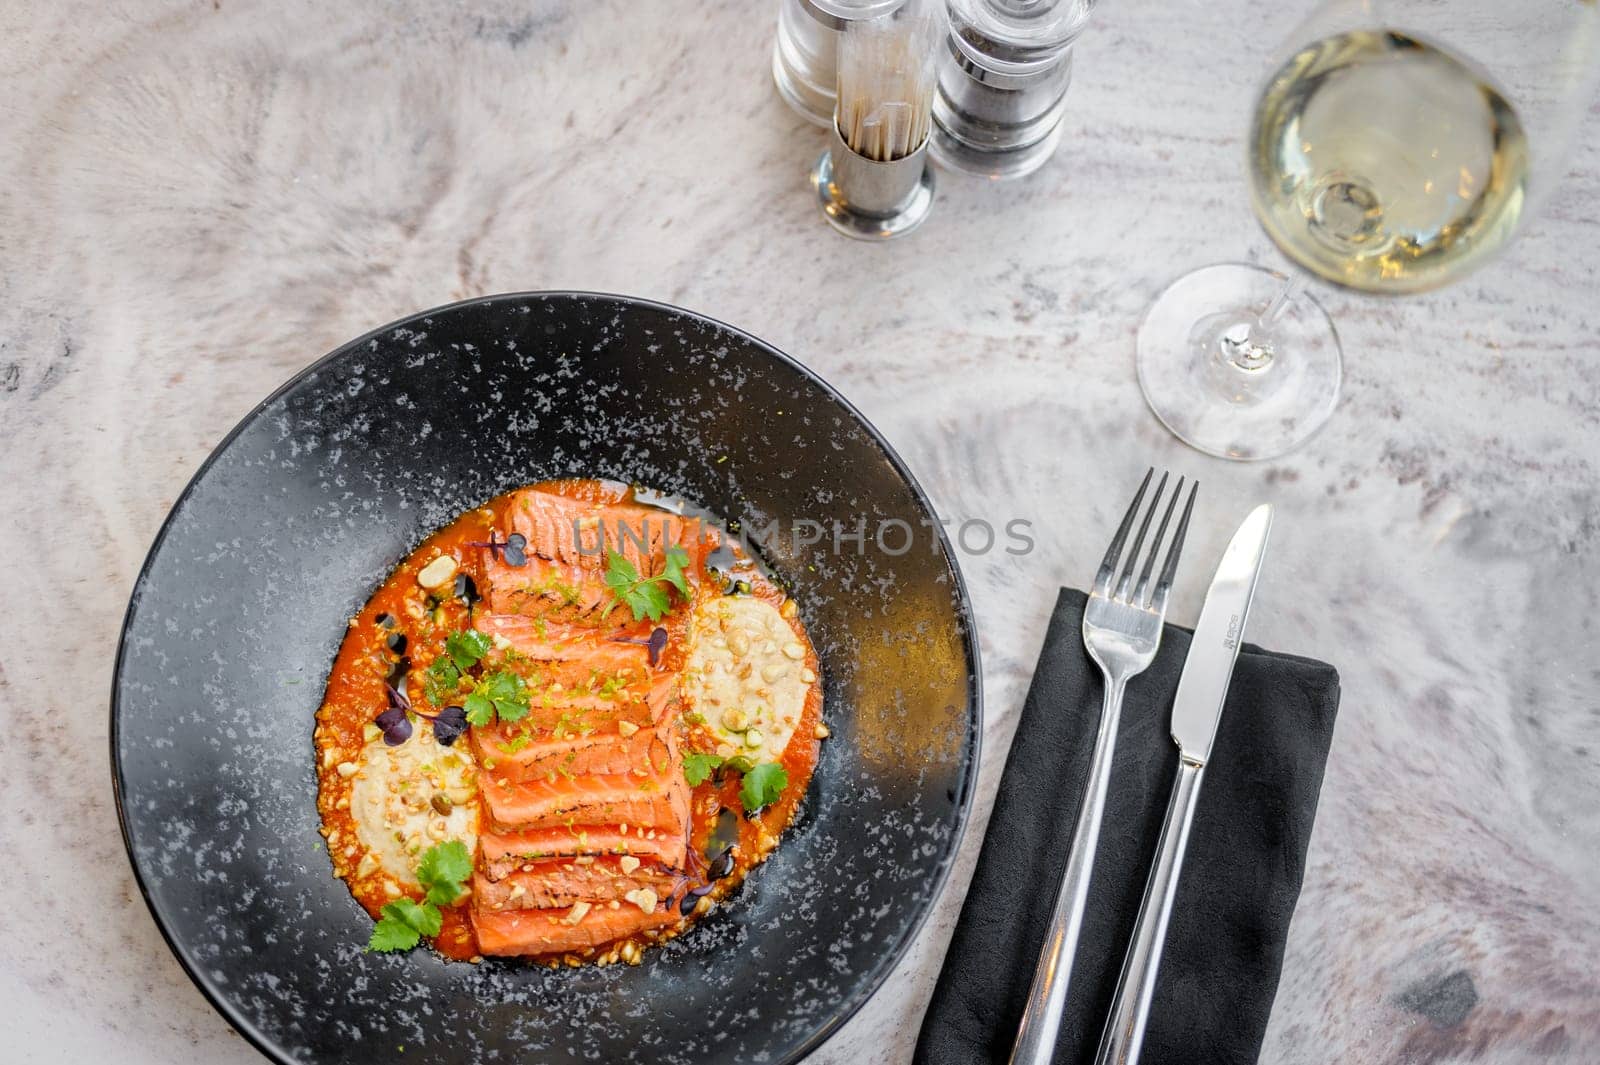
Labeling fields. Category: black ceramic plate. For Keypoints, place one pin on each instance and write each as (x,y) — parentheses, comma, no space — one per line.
(299,514)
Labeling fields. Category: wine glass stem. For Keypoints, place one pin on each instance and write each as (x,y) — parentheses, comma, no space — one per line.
(1248,344)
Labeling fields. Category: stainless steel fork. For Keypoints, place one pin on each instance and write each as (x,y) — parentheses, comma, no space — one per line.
(1121,630)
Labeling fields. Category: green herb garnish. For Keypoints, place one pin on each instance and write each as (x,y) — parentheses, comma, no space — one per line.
(647,597)
(762,785)
(697,767)
(443,872)
(462,651)
(501,693)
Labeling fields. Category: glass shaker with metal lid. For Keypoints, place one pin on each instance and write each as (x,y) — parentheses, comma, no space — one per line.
(1003,79)
(805,60)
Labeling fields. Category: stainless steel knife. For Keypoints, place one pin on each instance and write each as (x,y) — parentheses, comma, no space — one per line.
(1196,710)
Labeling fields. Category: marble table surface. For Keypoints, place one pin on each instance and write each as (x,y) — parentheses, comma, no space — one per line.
(198,198)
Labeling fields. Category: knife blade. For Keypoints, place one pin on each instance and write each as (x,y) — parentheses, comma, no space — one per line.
(1197,708)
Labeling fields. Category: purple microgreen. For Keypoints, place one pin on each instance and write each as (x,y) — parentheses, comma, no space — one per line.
(386,621)
(691,898)
(516,550)
(398,700)
(395,724)
(513,549)
(396,642)
(449,724)
(656,643)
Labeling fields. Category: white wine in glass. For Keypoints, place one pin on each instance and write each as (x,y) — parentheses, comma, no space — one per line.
(1383,162)
(1383,156)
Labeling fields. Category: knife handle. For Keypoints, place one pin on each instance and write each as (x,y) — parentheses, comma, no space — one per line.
(1131,1007)
(1047,998)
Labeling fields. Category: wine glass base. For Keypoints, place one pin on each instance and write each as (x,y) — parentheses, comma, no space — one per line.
(1214,404)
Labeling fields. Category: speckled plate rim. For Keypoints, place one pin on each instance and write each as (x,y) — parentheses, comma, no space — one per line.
(875,977)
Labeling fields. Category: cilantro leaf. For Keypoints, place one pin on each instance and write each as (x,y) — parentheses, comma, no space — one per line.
(646,597)
(442,680)
(697,767)
(403,924)
(466,647)
(423,916)
(479,708)
(443,871)
(507,692)
(677,558)
(392,932)
(762,785)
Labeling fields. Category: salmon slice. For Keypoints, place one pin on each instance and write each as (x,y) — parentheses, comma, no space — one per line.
(551,931)
(504,852)
(581,533)
(552,884)
(567,545)
(656,800)
(517,756)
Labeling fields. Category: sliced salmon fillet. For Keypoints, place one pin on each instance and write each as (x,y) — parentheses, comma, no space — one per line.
(552,931)
(652,799)
(554,883)
(517,756)
(504,852)
(567,545)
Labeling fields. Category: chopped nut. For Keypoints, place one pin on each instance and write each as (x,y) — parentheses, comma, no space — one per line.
(627,728)
(644,898)
(794,651)
(628,863)
(808,677)
(367,866)
(774,671)
(822,731)
(437,573)
(579,911)
(754,738)
(630,953)
(348,769)
(735,720)
(441,804)
(738,643)
(391,889)
(789,608)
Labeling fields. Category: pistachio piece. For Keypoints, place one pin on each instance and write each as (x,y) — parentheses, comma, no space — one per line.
(735,720)
(754,738)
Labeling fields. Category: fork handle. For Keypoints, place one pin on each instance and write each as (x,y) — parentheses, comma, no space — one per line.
(1041,1018)
(1130,1009)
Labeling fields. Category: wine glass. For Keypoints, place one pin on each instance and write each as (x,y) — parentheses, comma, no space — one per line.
(1395,147)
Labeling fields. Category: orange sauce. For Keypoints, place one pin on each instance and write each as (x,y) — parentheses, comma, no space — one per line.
(356,694)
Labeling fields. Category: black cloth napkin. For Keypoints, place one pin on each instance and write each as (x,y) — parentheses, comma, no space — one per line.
(1241,872)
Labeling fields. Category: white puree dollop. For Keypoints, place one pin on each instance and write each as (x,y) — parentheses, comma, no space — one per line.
(746,675)
(405,799)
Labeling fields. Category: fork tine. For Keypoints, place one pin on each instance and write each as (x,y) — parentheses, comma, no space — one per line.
(1125,581)
(1102,578)
(1168,568)
(1139,592)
